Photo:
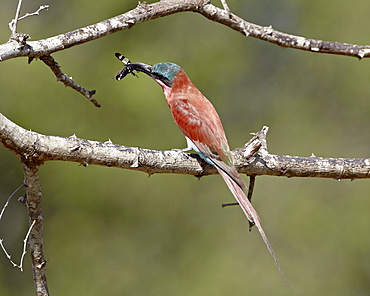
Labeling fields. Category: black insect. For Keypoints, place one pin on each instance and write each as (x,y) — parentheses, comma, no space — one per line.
(127,69)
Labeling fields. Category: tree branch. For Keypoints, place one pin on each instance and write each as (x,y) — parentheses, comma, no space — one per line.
(282,39)
(13,23)
(17,46)
(145,12)
(41,148)
(68,81)
(33,202)
(34,149)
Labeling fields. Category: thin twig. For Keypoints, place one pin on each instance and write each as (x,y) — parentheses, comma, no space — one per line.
(229,204)
(53,65)
(252,180)
(9,198)
(25,245)
(20,266)
(7,254)
(13,23)
(224,4)
(37,12)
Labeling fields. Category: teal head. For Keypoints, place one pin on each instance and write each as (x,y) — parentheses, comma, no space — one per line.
(162,72)
(165,72)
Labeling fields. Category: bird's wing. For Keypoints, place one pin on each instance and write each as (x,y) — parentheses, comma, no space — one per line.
(201,124)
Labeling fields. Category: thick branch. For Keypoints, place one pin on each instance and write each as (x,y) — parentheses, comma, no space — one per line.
(317,167)
(282,39)
(145,12)
(17,46)
(33,190)
(41,148)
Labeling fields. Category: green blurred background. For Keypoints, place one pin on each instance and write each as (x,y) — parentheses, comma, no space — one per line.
(116,232)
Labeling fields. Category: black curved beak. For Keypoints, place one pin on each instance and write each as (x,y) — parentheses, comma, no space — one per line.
(140,67)
(147,69)
(131,67)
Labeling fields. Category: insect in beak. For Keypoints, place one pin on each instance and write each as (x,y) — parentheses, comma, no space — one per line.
(127,69)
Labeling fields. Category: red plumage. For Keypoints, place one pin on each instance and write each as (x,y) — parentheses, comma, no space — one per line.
(201,125)
(197,118)
(199,122)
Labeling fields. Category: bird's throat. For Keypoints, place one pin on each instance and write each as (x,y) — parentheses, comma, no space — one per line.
(166,89)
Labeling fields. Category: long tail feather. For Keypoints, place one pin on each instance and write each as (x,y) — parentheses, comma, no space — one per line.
(251,214)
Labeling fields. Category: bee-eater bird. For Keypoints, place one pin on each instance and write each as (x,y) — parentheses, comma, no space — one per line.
(202,128)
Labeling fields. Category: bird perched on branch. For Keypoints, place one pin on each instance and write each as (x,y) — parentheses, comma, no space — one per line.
(202,128)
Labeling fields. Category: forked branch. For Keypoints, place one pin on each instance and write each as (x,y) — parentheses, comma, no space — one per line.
(17,46)
(253,159)
(146,12)
(13,23)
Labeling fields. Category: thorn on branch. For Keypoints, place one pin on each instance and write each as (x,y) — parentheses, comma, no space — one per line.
(53,65)
(23,199)
(364,52)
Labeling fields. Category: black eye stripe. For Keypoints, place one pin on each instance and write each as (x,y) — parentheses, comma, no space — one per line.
(162,78)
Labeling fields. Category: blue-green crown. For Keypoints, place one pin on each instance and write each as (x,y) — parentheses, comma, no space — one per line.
(166,70)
